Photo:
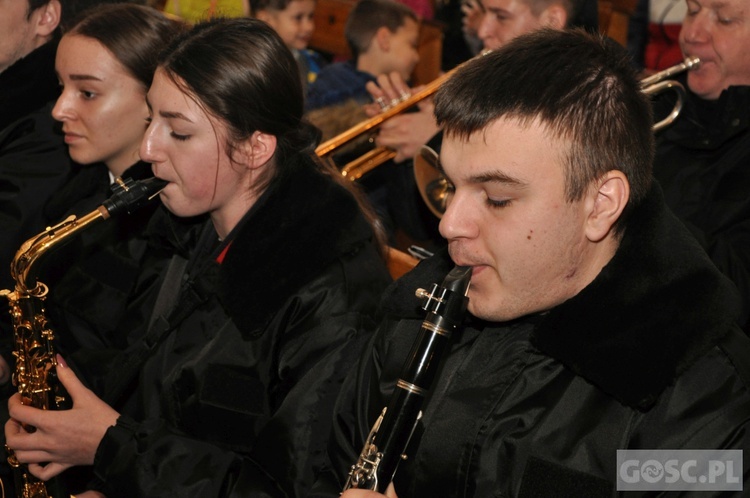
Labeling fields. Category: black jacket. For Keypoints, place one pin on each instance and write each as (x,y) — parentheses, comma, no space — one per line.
(646,356)
(29,84)
(243,381)
(34,160)
(95,275)
(703,165)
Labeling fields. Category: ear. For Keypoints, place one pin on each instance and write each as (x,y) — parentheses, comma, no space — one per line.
(256,151)
(48,18)
(605,204)
(555,16)
(383,39)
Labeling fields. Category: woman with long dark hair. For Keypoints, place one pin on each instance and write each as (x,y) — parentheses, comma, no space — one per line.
(276,272)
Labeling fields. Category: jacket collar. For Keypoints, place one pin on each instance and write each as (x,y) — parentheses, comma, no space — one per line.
(652,311)
(299,226)
(640,323)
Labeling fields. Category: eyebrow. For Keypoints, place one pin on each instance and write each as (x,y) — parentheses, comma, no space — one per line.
(174,115)
(498,177)
(80,77)
(496,10)
(489,177)
(169,114)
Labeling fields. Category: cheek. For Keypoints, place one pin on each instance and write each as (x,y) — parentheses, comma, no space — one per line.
(736,57)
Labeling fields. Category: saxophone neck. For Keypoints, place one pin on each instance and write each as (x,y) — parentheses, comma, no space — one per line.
(34,248)
(128,196)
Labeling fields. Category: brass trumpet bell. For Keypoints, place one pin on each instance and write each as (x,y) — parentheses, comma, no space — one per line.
(432,185)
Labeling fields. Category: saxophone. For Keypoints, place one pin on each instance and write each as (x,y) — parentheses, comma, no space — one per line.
(386,443)
(35,364)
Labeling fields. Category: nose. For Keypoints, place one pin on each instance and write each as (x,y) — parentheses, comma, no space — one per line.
(308,25)
(696,28)
(63,109)
(150,151)
(486,29)
(457,221)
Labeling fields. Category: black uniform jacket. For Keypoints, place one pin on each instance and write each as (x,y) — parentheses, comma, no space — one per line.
(646,356)
(244,379)
(703,165)
(34,160)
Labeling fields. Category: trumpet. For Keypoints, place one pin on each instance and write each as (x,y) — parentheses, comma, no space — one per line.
(660,82)
(355,169)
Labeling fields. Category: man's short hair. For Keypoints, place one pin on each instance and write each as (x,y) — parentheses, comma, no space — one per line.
(368,16)
(581,86)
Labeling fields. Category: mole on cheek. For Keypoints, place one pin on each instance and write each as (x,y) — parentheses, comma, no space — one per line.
(529,235)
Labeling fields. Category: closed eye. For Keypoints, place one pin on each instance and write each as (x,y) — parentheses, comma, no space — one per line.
(497,204)
(179,137)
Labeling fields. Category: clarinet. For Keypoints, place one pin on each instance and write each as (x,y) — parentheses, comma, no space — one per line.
(35,373)
(386,443)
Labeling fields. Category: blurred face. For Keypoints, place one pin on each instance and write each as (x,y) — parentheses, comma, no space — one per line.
(18,36)
(102,106)
(718,32)
(504,20)
(403,54)
(508,218)
(187,148)
(294,24)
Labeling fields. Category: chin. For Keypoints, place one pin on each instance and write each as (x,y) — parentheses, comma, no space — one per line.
(704,89)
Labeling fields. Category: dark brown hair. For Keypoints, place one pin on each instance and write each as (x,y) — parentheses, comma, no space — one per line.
(134,34)
(368,16)
(581,86)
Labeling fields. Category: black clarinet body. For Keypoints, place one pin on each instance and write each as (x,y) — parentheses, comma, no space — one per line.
(386,444)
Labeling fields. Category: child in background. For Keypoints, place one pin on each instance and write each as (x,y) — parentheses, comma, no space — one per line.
(293,21)
(383,37)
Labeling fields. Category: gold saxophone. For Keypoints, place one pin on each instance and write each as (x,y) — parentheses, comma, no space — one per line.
(34,352)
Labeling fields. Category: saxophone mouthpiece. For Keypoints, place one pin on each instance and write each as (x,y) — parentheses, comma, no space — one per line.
(130,195)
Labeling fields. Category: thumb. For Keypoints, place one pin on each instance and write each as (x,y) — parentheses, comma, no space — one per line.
(391,491)
(48,471)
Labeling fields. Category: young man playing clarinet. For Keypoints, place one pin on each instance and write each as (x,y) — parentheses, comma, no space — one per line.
(599,338)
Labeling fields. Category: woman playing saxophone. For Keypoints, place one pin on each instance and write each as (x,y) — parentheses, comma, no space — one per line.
(275,270)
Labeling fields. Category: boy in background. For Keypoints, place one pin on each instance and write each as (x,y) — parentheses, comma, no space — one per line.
(293,21)
(383,36)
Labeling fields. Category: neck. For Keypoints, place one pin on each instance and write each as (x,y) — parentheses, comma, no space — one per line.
(119,165)
(228,217)
(367,63)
